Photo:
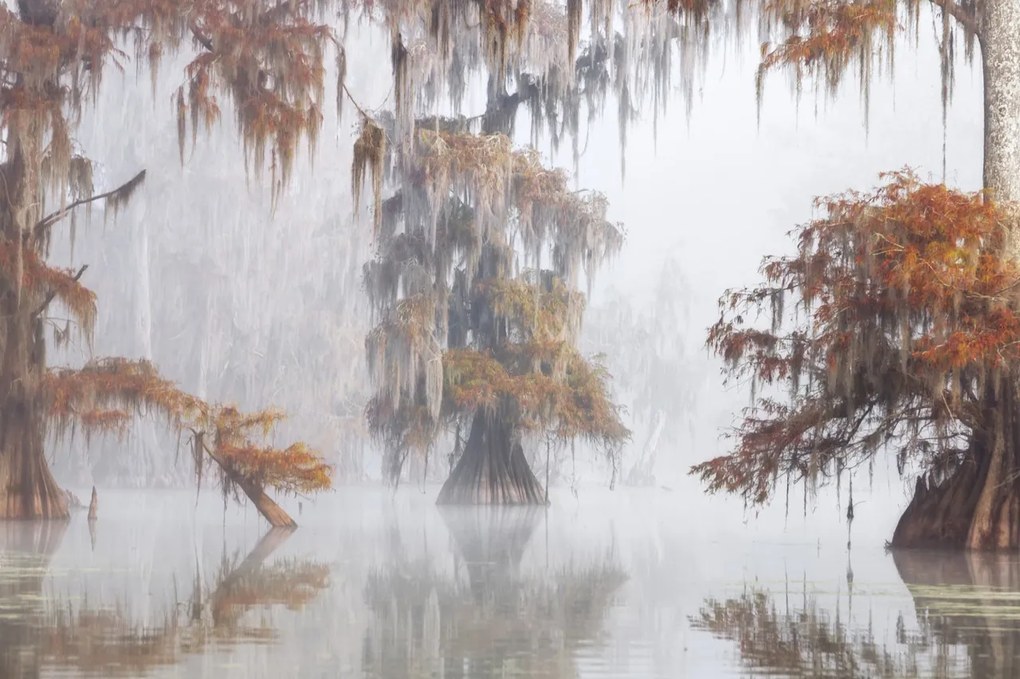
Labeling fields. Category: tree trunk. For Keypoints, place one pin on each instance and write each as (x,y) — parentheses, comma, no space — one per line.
(27,488)
(1000,59)
(978,507)
(493,469)
(94,505)
(270,511)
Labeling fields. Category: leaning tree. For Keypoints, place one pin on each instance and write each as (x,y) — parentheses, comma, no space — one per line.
(263,59)
(904,338)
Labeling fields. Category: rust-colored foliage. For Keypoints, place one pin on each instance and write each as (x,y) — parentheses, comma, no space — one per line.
(267,58)
(575,404)
(49,283)
(823,40)
(101,396)
(908,318)
(826,36)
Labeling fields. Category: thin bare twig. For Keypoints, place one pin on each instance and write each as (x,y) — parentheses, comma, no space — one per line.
(51,219)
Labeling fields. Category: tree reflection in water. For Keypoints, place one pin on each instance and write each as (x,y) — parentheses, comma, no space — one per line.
(969,600)
(488,618)
(41,633)
(967,606)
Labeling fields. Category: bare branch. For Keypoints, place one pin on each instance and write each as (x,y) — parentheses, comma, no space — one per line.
(966,18)
(124,189)
(201,37)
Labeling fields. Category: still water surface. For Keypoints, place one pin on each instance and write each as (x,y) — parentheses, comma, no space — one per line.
(377,584)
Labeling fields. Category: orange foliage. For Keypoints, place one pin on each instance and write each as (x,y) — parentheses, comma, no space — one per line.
(268,58)
(576,404)
(99,396)
(909,316)
(45,281)
(829,31)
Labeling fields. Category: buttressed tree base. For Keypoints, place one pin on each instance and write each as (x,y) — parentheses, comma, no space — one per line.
(904,343)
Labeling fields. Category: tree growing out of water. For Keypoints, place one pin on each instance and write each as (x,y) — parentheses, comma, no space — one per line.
(908,339)
(481,252)
(267,59)
(905,335)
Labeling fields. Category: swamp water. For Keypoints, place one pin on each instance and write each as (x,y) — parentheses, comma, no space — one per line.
(384,584)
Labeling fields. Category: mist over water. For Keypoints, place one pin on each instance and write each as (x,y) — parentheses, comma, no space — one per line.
(383,584)
(241,300)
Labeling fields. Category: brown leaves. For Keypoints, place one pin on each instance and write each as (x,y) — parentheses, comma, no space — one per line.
(47,283)
(473,210)
(270,62)
(573,405)
(101,396)
(908,312)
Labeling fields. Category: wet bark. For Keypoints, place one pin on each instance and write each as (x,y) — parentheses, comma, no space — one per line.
(27,488)
(270,511)
(978,507)
(493,469)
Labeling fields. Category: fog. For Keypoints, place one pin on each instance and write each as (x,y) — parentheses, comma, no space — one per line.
(240,297)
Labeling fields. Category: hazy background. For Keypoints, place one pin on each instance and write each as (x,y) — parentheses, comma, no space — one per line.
(240,302)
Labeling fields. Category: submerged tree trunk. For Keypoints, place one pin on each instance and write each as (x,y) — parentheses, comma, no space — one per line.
(267,507)
(978,507)
(27,488)
(493,469)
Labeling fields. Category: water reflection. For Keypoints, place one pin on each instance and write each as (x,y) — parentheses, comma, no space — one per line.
(383,585)
(43,632)
(966,605)
(486,618)
(804,641)
(968,600)
(25,552)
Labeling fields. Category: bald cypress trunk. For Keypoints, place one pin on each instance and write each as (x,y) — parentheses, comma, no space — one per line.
(978,507)
(27,488)
(492,470)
